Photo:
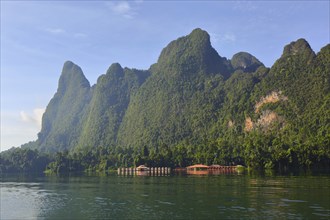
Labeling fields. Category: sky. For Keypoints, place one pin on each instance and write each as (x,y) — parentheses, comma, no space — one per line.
(37,37)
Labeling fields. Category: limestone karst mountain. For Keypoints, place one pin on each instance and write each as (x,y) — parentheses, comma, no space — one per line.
(194,97)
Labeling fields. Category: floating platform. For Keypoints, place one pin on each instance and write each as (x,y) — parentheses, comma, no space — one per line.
(144,171)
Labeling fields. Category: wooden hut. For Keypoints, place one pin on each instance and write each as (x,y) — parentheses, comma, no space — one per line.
(198,167)
(142,168)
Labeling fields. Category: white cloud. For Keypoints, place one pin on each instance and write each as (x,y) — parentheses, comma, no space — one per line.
(80,35)
(223,38)
(15,131)
(60,31)
(229,37)
(35,118)
(122,8)
(55,30)
(214,37)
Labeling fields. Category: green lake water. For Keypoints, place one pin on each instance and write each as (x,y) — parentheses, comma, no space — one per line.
(225,196)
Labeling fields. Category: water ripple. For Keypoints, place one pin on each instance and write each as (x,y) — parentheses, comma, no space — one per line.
(292,200)
(166,203)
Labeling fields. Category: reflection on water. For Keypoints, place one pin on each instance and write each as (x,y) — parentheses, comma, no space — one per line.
(223,196)
(27,200)
(144,173)
(210,172)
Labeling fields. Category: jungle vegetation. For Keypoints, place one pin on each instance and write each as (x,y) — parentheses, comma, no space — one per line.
(192,106)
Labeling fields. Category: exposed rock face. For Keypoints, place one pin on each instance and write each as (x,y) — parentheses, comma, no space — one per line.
(273,97)
(265,122)
(231,123)
(267,119)
(248,124)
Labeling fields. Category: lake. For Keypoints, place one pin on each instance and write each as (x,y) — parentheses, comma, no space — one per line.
(224,196)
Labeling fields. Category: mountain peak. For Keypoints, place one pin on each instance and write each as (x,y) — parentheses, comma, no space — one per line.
(68,64)
(245,62)
(72,76)
(115,70)
(192,54)
(199,31)
(200,36)
(301,46)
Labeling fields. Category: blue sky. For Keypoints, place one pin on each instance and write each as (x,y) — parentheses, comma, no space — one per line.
(37,37)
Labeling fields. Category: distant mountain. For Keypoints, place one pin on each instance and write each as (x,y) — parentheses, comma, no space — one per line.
(245,62)
(192,98)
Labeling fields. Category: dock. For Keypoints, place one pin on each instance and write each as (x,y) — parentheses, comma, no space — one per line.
(201,169)
(146,171)
(214,167)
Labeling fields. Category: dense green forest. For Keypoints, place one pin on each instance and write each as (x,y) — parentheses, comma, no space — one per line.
(192,106)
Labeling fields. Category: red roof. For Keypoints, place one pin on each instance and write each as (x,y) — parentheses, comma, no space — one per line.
(197,166)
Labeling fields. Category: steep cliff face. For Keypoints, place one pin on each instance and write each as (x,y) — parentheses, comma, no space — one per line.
(80,116)
(62,120)
(273,97)
(191,96)
(181,97)
(292,91)
(191,55)
(111,97)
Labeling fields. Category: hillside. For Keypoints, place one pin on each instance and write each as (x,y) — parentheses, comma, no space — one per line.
(195,106)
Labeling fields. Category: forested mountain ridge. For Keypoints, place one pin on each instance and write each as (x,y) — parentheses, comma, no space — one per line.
(185,84)
(110,100)
(62,120)
(194,106)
